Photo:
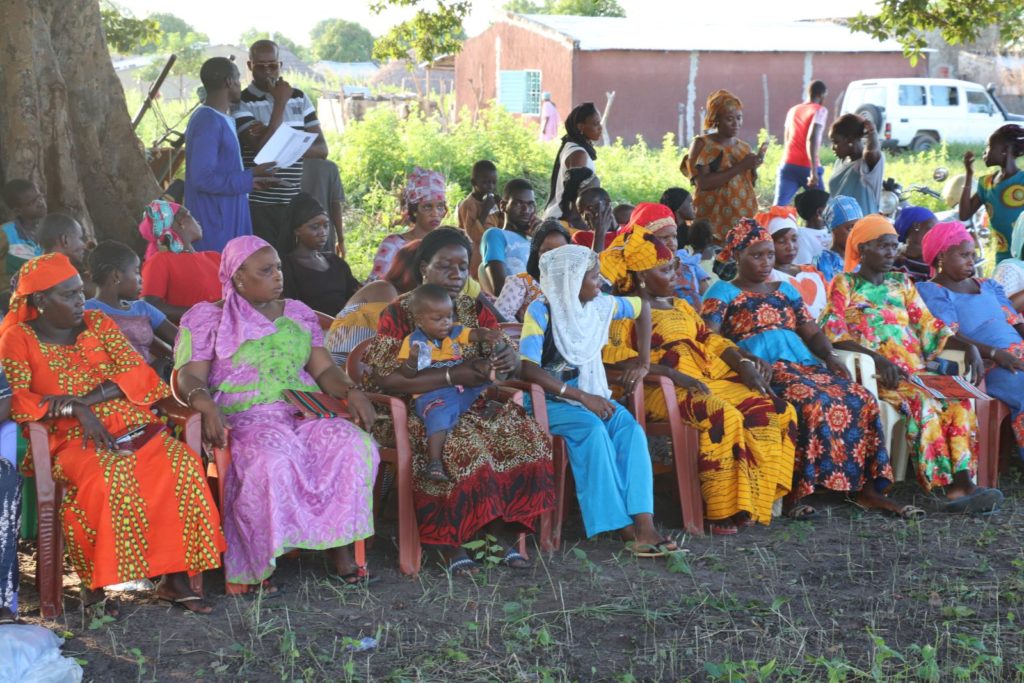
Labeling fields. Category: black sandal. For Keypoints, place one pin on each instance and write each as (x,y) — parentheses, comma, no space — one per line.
(463,567)
(435,472)
(514,555)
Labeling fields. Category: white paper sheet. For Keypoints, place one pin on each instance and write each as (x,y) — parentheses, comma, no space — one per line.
(285,147)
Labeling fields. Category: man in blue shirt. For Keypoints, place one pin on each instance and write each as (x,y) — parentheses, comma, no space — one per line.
(506,250)
(216,185)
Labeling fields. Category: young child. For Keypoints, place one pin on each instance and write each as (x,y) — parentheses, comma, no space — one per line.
(437,343)
(813,238)
(700,241)
(622,213)
(19,239)
(115,269)
(1001,192)
(479,210)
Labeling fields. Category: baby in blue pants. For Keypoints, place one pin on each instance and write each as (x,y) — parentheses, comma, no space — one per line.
(437,342)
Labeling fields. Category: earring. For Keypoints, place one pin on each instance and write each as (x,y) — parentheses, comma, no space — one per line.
(643,285)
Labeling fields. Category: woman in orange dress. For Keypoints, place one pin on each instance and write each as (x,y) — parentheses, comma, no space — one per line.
(132,508)
(722,167)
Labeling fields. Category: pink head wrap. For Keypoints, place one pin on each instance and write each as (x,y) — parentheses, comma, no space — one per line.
(155,228)
(239,322)
(942,237)
(424,186)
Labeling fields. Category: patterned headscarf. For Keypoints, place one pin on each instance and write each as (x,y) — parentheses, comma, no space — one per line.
(156,228)
(717,103)
(942,237)
(841,209)
(239,322)
(37,275)
(777,218)
(424,186)
(908,217)
(867,229)
(579,330)
(634,250)
(652,216)
(745,234)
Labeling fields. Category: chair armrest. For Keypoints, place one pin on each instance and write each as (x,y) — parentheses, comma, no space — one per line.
(42,462)
(634,398)
(861,368)
(190,421)
(504,394)
(537,399)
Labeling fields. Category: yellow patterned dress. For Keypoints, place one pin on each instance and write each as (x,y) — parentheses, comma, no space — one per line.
(736,199)
(890,318)
(125,516)
(746,439)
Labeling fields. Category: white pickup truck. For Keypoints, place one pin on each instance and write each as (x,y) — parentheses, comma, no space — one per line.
(919,113)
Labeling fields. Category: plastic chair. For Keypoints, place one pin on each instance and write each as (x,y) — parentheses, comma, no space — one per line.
(50,540)
(9,451)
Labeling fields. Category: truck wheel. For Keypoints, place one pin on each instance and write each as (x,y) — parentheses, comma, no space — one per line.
(873,114)
(923,142)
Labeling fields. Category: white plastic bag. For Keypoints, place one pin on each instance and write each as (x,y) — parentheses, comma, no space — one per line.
(31,654)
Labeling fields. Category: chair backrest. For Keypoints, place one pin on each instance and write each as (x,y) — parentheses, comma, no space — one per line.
(513,330)
(325,320)
(174,387)
(354,366)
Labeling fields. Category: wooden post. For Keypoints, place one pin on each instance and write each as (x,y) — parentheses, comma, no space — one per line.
(764,85)
(604,117)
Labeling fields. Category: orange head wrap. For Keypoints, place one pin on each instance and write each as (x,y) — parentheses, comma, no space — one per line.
(867,229)
(717,103)
(634,250)
(37,275)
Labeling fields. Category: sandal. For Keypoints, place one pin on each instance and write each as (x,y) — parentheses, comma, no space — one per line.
(435,471)
(906,512)
(7,617)
(514,555)
(721,528)
(463,567)
(979,501)
(801,511)
(663,548)
(189,603)
(360,577)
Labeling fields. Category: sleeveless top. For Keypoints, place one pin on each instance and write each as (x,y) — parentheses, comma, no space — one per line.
(552,210)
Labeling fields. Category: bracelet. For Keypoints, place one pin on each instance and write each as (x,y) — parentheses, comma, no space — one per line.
(68,410)
(448,376)
(188,398)
(747,360)
(561,392)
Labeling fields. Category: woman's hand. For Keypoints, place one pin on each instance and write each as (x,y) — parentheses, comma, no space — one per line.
(753,378)
(215,431)
(1005,359)
(836,366)
(691,384)
(888,373)
(360,409)
(505,360)
(969,162)
(764,368)
(57,404)
(471,373)
(975,366)
(632,372)
(601,407)
(92,429)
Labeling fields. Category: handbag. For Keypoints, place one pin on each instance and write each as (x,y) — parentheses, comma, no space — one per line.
(313,405)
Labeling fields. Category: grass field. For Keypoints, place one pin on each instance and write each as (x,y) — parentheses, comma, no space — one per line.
(848,596)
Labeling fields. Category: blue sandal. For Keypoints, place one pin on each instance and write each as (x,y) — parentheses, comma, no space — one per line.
(511,556)
(463,567)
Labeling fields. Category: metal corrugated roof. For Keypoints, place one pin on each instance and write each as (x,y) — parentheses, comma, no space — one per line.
(623,33)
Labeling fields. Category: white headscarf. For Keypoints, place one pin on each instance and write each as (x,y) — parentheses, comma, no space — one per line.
(580,330)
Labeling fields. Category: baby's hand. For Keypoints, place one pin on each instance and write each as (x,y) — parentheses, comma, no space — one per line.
(482,334)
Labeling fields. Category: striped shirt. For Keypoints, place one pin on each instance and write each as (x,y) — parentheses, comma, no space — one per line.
(256,107)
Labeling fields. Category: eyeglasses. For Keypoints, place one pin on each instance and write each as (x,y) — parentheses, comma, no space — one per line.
(266,65)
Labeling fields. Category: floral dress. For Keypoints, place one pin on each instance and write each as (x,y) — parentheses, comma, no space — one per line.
(891,319)
(737,199)
(746,439)
(839,436)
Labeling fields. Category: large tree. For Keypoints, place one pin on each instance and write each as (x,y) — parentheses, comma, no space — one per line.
(337,40)
(958,21)
(63,119)
(434,30)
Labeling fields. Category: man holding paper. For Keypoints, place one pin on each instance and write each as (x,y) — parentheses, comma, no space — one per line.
(268,104)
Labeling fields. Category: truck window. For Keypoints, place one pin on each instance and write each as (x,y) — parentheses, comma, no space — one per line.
(978,102)
(944,96)
(912,95)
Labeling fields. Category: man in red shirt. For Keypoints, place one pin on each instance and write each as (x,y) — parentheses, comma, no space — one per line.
(801,167)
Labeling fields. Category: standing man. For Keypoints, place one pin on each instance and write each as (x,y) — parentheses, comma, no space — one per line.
(216,185)
(267,104)
(506,250)
(801,166)
(549,118)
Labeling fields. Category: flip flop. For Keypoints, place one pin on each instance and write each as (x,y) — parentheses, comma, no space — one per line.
(463,567)
(659,549)
(511,556)
(907,512)
(801,512)
(980,501)
(717,529)
(184,603)
(360,577)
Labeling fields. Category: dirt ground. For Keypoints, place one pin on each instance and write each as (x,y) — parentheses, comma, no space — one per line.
(847,596)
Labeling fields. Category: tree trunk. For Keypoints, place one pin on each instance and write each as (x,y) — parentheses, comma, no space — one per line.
(64,122)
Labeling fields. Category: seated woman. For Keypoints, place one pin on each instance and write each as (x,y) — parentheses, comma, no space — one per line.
(174,275)
(133,507)
(235,360)
(840,443)
(500,467)
(521,290)
(879,313)
(980,312)
(691,279)
(114,268)
(780,224)
(912,225)
(324,282)
(746,433)
(425,208)
(561,343)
